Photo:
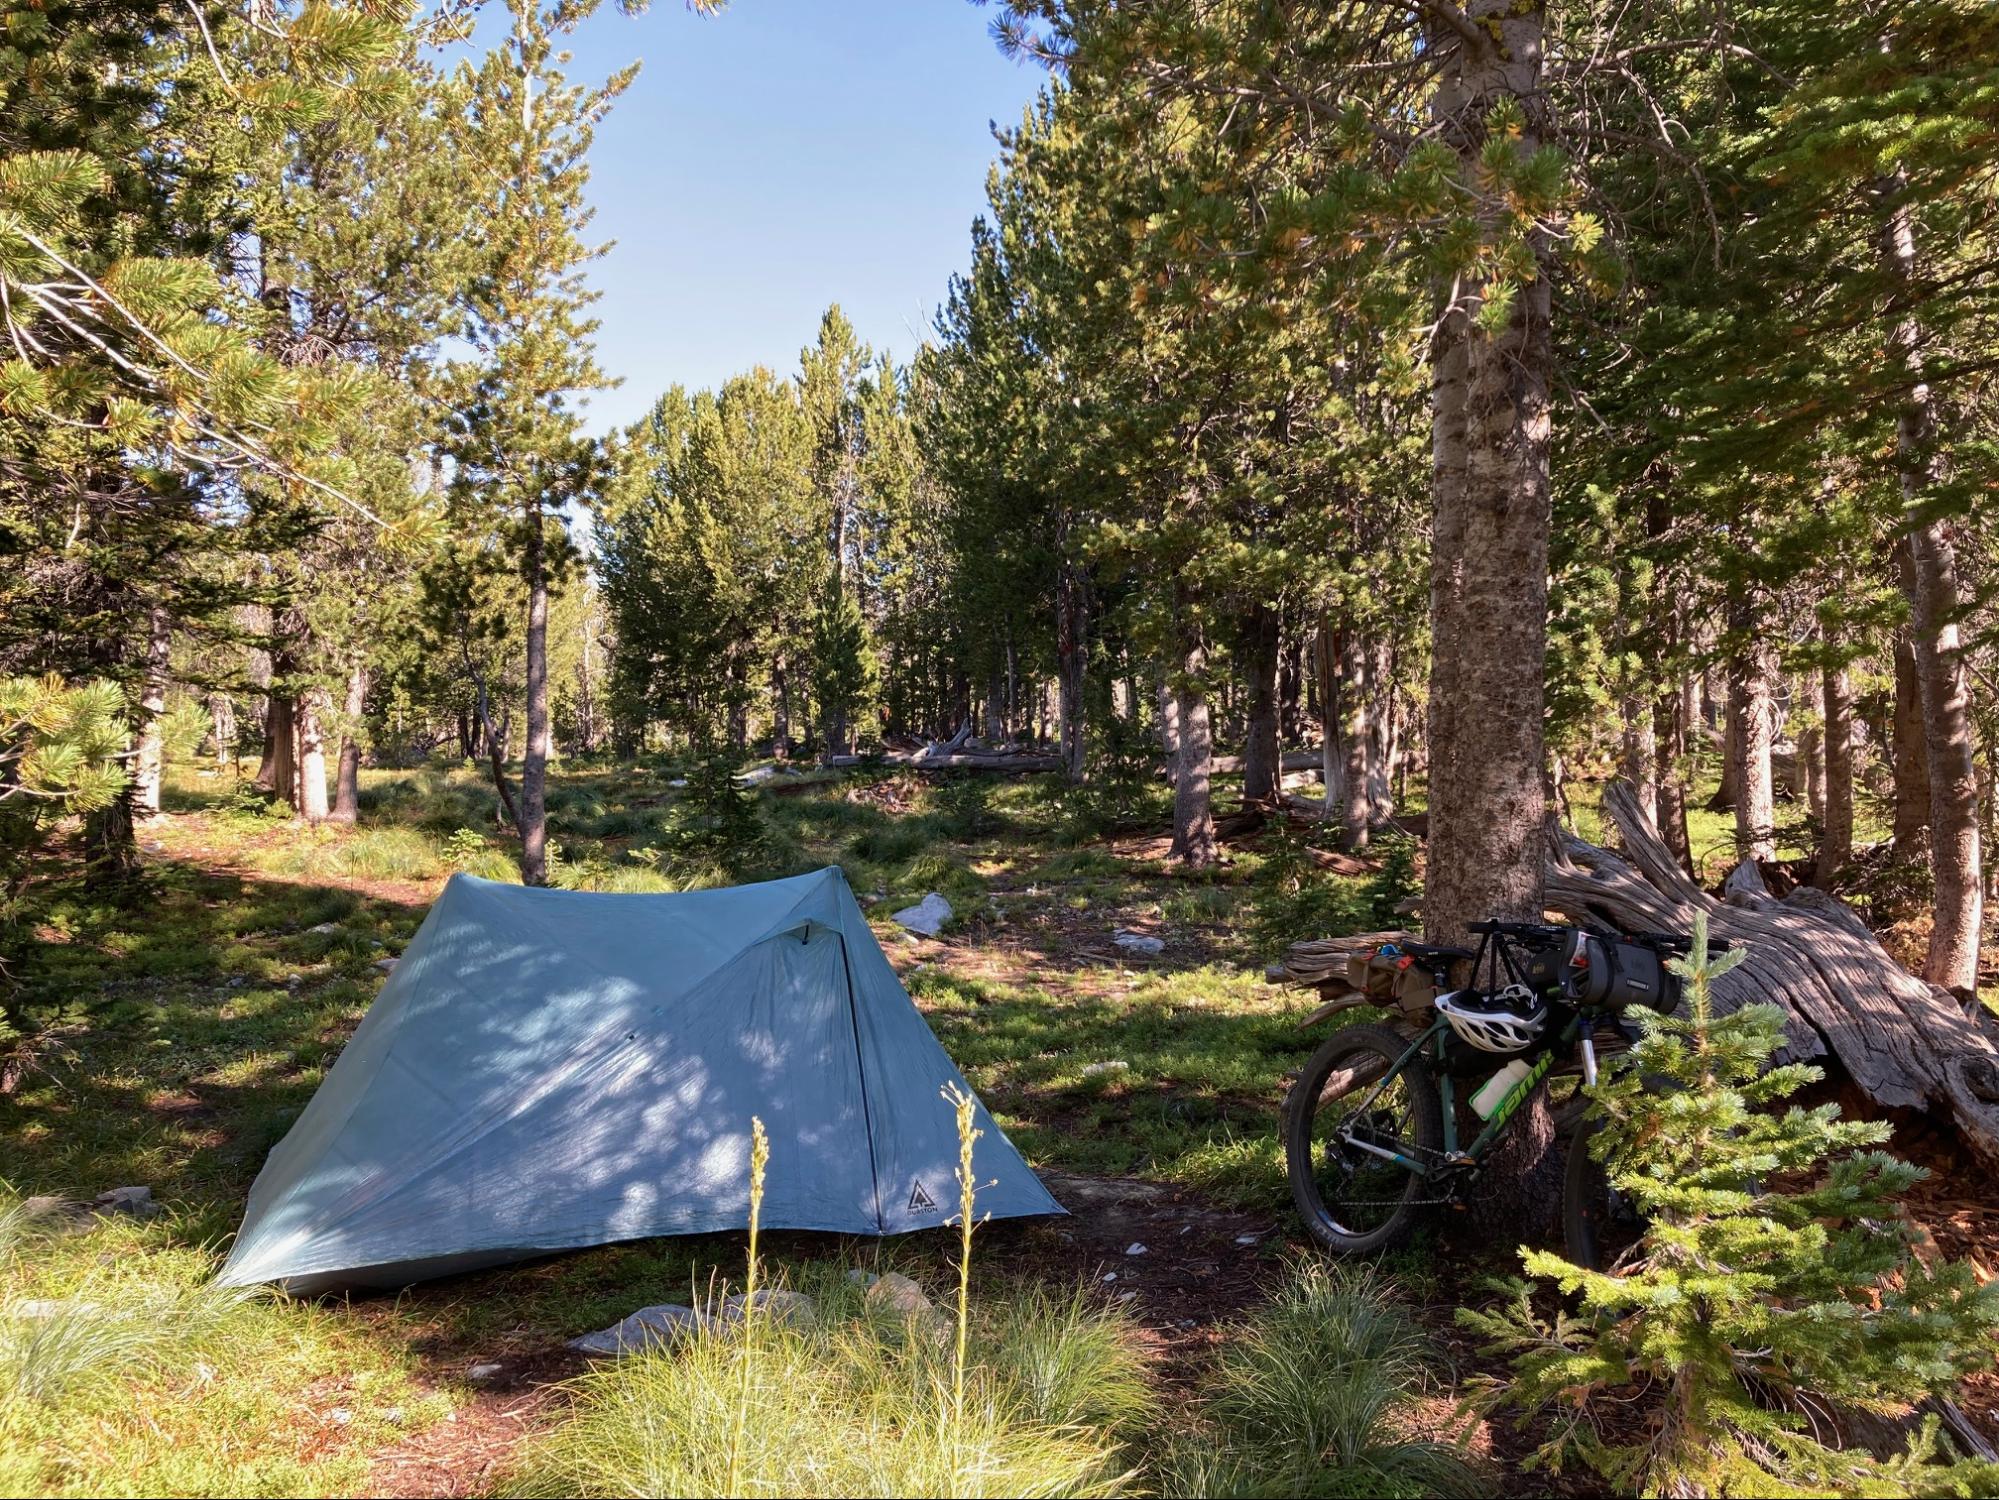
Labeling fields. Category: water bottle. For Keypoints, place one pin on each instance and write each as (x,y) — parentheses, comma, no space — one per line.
(1492,1093)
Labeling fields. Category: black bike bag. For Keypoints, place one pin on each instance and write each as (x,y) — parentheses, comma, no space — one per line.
(1601,971)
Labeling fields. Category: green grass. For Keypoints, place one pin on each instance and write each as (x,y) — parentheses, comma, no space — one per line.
(1313,1397)
(860,1404)
(124,1371)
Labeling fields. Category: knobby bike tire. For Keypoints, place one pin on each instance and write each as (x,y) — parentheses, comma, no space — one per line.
(1426,1126)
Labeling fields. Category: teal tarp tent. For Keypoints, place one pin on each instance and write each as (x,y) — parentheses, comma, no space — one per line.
(551,1069)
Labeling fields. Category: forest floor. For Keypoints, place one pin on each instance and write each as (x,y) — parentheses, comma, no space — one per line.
(191,1028)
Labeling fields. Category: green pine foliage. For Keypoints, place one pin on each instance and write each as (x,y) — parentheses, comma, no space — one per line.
(1774,1280)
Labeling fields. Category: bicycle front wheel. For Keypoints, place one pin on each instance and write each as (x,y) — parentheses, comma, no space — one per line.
(1355,1130)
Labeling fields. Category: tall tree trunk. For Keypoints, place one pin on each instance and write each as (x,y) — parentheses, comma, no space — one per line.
(110,846)
(277,774)
(1291,686)
(1911,760)
(149,766)
(1672,712)
(1751,715)
(1929,576)
(1641,754)
(1072,655)
(1836,847)
(1193,811)
(535,755)
(780,727)
(1355,718)
(1332,741)
(1261,776)
(1491,427)
(1810,780)
(222,728)
(347,787)
(1169,731)
(311,720)
(1378,682)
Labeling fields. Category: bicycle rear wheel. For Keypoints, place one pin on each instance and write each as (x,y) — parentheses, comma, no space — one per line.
(1352,1127)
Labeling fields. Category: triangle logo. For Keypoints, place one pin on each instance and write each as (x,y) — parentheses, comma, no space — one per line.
(920,1201)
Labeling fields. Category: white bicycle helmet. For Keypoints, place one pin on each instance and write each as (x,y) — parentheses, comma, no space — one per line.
(1506,1022)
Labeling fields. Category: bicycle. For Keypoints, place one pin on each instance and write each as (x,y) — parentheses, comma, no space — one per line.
(1370,1128)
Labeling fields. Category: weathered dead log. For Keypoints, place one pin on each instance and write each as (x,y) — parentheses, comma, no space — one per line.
(1291,760)
(1906,1044)
(953,760)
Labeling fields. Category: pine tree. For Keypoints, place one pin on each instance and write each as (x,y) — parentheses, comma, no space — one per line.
(517,442)
(1773,1275)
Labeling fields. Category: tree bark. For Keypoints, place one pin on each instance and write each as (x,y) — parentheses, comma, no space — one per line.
(535,755)
(1261,779)
(1929,576)
(278,772)
(222,728)
(1169,732)
(149,766)
(1751,716)
(1836,844)
(1491,427)
(1809,781)
(1193,812)
(1641,754)
(1072,653)
(311,721)
(1911,760)
(110,846)
(1672,712)
(347,789)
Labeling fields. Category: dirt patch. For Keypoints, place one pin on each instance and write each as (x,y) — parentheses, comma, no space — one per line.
(469,1451)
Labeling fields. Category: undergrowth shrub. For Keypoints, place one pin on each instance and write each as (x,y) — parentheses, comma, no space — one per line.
(1313,1397)
(1774,1281)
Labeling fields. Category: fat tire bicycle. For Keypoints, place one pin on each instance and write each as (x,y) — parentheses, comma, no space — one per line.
(1370,1126)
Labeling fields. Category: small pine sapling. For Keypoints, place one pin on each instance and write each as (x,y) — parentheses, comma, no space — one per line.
(1773,1284)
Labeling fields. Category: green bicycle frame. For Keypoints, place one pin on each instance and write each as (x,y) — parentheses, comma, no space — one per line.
(1515,1097)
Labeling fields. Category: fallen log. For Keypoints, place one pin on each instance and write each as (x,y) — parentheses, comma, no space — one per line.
(1290,760)
(953,760)
(1905,1043)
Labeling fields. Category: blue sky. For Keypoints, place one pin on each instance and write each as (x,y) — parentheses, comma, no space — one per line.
(778,157)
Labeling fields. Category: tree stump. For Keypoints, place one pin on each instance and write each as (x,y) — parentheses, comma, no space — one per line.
(1905,1043)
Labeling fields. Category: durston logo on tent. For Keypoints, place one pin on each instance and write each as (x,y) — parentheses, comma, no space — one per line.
(920,1201)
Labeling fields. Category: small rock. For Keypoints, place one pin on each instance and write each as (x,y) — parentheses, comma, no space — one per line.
(1138,942)
(324,928)
(928,916)
(236,983)
(387,965)
(340,1416)
(1134,1248)
(757,776)
(777,1304)
(393,1415)
(482,1372)
(1115,1065)
(1110,1276)
(678,781)
(896,1293)
(137,1201)
(661,1326)
(1247,1239)
(42,1309)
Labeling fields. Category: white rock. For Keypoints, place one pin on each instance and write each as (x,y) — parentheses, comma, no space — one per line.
(661,1326)
(758,776)
(387,965)
(1110,1276)
(482,1372)
(1115,1065)
(137,1201)
(678,781)
(1247,1239)
(928,916)
(1134,1248)
(896,1293)
(325,927)
(340,1416)
(1138,942)
(776,1304)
